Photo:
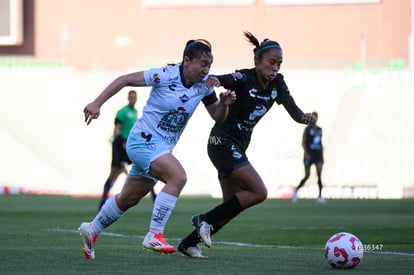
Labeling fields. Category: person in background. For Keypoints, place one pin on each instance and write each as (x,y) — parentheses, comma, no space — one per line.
(313,154)
(257,89)
(177,90)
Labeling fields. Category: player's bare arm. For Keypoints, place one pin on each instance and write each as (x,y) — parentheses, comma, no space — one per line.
(92,110)
(219,109)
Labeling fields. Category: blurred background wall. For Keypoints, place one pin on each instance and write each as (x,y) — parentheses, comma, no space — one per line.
(348,60)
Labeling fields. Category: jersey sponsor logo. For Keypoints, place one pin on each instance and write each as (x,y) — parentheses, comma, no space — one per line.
(156,78)
(253,93)
(259,110)
(214,140)
(172,87)
(174,121)
(246,125)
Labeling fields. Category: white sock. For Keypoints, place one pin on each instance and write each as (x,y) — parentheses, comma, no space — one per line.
(108,214)
(163,207)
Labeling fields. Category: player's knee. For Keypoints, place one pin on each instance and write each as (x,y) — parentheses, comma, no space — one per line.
(263,194)
(260,195)
(180,180)
(177,182)
(127,201)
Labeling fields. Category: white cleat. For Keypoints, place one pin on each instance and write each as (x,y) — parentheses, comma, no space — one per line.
(191,251)
(203,229)
(89,240)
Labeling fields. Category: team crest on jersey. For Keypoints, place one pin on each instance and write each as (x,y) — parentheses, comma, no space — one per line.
(274,93)
(184,98)
(156,78)
(237,75)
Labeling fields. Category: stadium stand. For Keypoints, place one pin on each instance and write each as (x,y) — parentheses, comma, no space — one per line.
(366,116)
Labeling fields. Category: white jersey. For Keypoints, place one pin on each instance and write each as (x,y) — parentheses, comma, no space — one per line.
(170,104)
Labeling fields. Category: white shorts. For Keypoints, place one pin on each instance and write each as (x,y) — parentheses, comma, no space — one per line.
(142,151)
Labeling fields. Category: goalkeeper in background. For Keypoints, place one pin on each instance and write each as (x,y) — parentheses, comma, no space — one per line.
(313,154)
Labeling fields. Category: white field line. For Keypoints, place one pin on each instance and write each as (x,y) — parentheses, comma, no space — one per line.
(117,235)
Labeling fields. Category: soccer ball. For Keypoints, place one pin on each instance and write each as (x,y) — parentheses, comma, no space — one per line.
(344,250)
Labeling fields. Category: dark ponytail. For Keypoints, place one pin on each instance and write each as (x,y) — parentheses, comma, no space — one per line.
(260,47)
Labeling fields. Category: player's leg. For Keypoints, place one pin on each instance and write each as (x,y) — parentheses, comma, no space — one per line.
(242,189)
(134,189)
(189,245)
(305,177)
(169,170)
(319,166)
(223,157)
(119,162)
(306,165)
(109,183)
(153,194)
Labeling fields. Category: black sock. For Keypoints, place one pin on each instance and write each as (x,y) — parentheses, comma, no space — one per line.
(191,240)
(228,209)
(107,187)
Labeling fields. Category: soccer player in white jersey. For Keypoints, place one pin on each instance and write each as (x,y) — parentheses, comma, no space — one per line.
(176,92)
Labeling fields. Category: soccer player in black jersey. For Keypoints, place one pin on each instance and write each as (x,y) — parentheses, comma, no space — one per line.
(313,154)
(257,89)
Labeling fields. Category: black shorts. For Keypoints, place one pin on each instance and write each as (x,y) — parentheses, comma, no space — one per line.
(315,157)
(226,156)
(119,154)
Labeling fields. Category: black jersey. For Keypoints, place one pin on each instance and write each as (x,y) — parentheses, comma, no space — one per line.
(313,138)
(253,102)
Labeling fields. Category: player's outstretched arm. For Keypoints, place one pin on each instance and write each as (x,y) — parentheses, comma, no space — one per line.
(296,113)
(92,110)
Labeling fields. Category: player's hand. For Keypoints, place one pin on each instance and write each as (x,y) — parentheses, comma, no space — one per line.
(212,81)
(308,118)
(227,97)
(91,111)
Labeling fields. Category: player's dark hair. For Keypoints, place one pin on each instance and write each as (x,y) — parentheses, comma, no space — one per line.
(260,48)
(195,48)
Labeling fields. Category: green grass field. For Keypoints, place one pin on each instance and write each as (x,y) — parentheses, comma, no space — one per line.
(38,235)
